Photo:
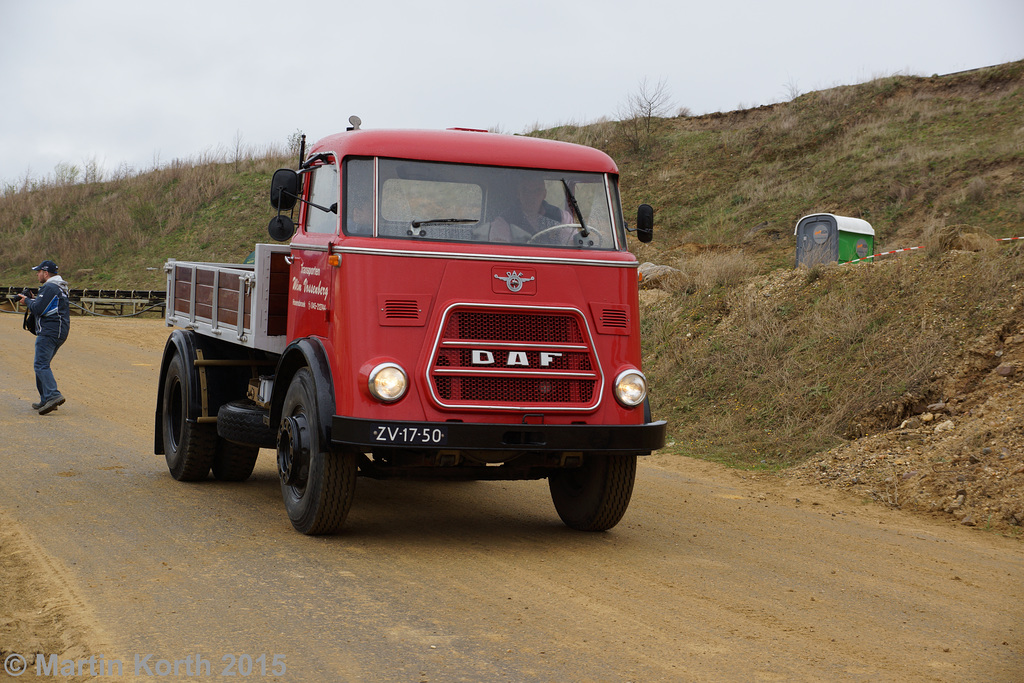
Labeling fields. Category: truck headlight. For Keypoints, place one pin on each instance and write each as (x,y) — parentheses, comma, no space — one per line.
(631,388)
(388,382)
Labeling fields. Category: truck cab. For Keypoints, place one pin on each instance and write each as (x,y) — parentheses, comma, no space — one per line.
(444,304)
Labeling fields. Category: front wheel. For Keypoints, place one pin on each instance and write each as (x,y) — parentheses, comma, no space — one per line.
(594,496)
(317,483)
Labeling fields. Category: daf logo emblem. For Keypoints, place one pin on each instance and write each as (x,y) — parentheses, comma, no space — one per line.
(514,280)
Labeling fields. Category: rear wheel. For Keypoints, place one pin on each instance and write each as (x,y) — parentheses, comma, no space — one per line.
(317,483)
(594,496)
(241,433)
(234,461)
(242,421)
(189,447)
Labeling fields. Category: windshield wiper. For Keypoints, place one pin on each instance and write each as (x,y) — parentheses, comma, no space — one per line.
(576,208)
(416,230)
(417,224)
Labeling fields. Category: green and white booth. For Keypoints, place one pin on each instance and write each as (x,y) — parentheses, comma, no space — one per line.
(827,238)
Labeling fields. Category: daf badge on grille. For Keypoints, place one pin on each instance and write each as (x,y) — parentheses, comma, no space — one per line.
(514,280)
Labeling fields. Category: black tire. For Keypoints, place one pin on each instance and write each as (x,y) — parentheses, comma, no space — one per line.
(594,496)
(188,447)
(234,461)
(242,422)
(241,433)
(319,499)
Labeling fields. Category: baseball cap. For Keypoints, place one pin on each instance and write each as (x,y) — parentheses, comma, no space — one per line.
(48,266)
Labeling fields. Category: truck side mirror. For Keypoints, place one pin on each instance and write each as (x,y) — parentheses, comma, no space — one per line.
(645,223)
(281,228)
(284,189)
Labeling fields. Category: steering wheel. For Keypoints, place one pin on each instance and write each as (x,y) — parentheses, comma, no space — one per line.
(591,233)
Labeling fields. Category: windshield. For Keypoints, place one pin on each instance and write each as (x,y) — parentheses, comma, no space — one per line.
(426,201)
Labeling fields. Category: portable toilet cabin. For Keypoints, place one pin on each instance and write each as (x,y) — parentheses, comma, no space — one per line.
(827,238)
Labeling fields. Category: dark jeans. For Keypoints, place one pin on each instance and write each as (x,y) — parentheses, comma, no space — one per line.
(46,347)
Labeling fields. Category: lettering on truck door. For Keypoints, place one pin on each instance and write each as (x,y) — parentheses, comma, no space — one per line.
(311,274)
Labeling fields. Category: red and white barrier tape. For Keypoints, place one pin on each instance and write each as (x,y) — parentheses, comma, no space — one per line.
(896,251)
(884,253)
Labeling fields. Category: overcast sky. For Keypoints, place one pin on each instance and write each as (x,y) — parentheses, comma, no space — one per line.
(138,83)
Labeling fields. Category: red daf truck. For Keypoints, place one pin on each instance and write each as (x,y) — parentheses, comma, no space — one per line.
(445,305)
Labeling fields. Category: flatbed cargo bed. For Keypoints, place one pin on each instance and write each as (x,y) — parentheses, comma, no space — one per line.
(244,303)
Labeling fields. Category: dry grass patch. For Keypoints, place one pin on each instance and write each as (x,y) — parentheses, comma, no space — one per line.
(767,370)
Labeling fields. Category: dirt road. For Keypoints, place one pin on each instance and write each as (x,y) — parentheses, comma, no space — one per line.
(710,576)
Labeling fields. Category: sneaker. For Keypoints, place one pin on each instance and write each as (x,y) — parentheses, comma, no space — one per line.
(51,405)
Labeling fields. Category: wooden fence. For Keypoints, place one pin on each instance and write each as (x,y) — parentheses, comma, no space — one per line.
(105,302)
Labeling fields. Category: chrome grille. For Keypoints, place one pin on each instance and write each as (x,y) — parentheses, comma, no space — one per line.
(470,325)
(515,359)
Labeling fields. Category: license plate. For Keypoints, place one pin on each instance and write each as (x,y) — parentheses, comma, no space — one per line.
(405,435)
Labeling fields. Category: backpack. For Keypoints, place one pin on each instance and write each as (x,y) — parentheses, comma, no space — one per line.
(29,322)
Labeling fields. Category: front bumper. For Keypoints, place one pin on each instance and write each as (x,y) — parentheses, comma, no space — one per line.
(536,438)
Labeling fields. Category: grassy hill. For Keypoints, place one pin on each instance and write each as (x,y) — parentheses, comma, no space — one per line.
(753,362)
(905,153)
(118,233)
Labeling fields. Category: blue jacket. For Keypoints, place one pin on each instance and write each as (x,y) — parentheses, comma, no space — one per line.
(50,307)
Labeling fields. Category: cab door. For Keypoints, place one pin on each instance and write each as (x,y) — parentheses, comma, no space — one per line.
(312,277)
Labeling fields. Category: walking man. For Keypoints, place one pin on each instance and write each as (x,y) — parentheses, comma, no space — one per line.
(53,322)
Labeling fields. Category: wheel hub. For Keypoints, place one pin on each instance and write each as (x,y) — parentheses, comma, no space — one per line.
(293,449)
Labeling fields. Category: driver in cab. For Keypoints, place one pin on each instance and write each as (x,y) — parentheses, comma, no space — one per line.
(529,216)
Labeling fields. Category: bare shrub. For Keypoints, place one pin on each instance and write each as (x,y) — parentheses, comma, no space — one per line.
(792,89)
(295,142)
(123,171)
(92,171)
(239,150)
(637,114)
(65,174)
